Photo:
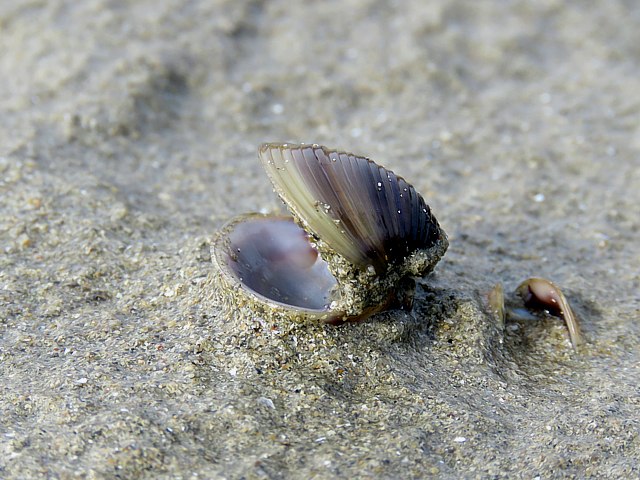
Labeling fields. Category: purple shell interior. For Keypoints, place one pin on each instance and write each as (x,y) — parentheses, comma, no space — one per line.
(273,257)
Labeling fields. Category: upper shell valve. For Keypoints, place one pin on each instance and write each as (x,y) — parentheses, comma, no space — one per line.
(363,230)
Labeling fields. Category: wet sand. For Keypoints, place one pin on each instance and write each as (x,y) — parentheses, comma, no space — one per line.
(128,136)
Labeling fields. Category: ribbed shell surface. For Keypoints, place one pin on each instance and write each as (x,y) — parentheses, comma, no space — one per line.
(363,211)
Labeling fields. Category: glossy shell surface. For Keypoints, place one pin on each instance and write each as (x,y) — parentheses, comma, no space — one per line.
(269,260)
(366,213)
(357,233)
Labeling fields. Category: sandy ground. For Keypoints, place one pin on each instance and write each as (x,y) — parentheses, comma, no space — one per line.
(128,136)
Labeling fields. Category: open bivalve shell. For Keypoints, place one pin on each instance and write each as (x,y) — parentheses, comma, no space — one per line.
(358,235)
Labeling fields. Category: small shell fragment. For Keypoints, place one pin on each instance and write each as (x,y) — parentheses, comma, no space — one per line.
(540,293)
(496,303)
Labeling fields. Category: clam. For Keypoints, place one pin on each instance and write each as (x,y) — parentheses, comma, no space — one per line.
(357,235)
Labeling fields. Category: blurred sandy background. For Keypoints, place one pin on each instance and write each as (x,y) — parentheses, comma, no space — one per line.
(128,135)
